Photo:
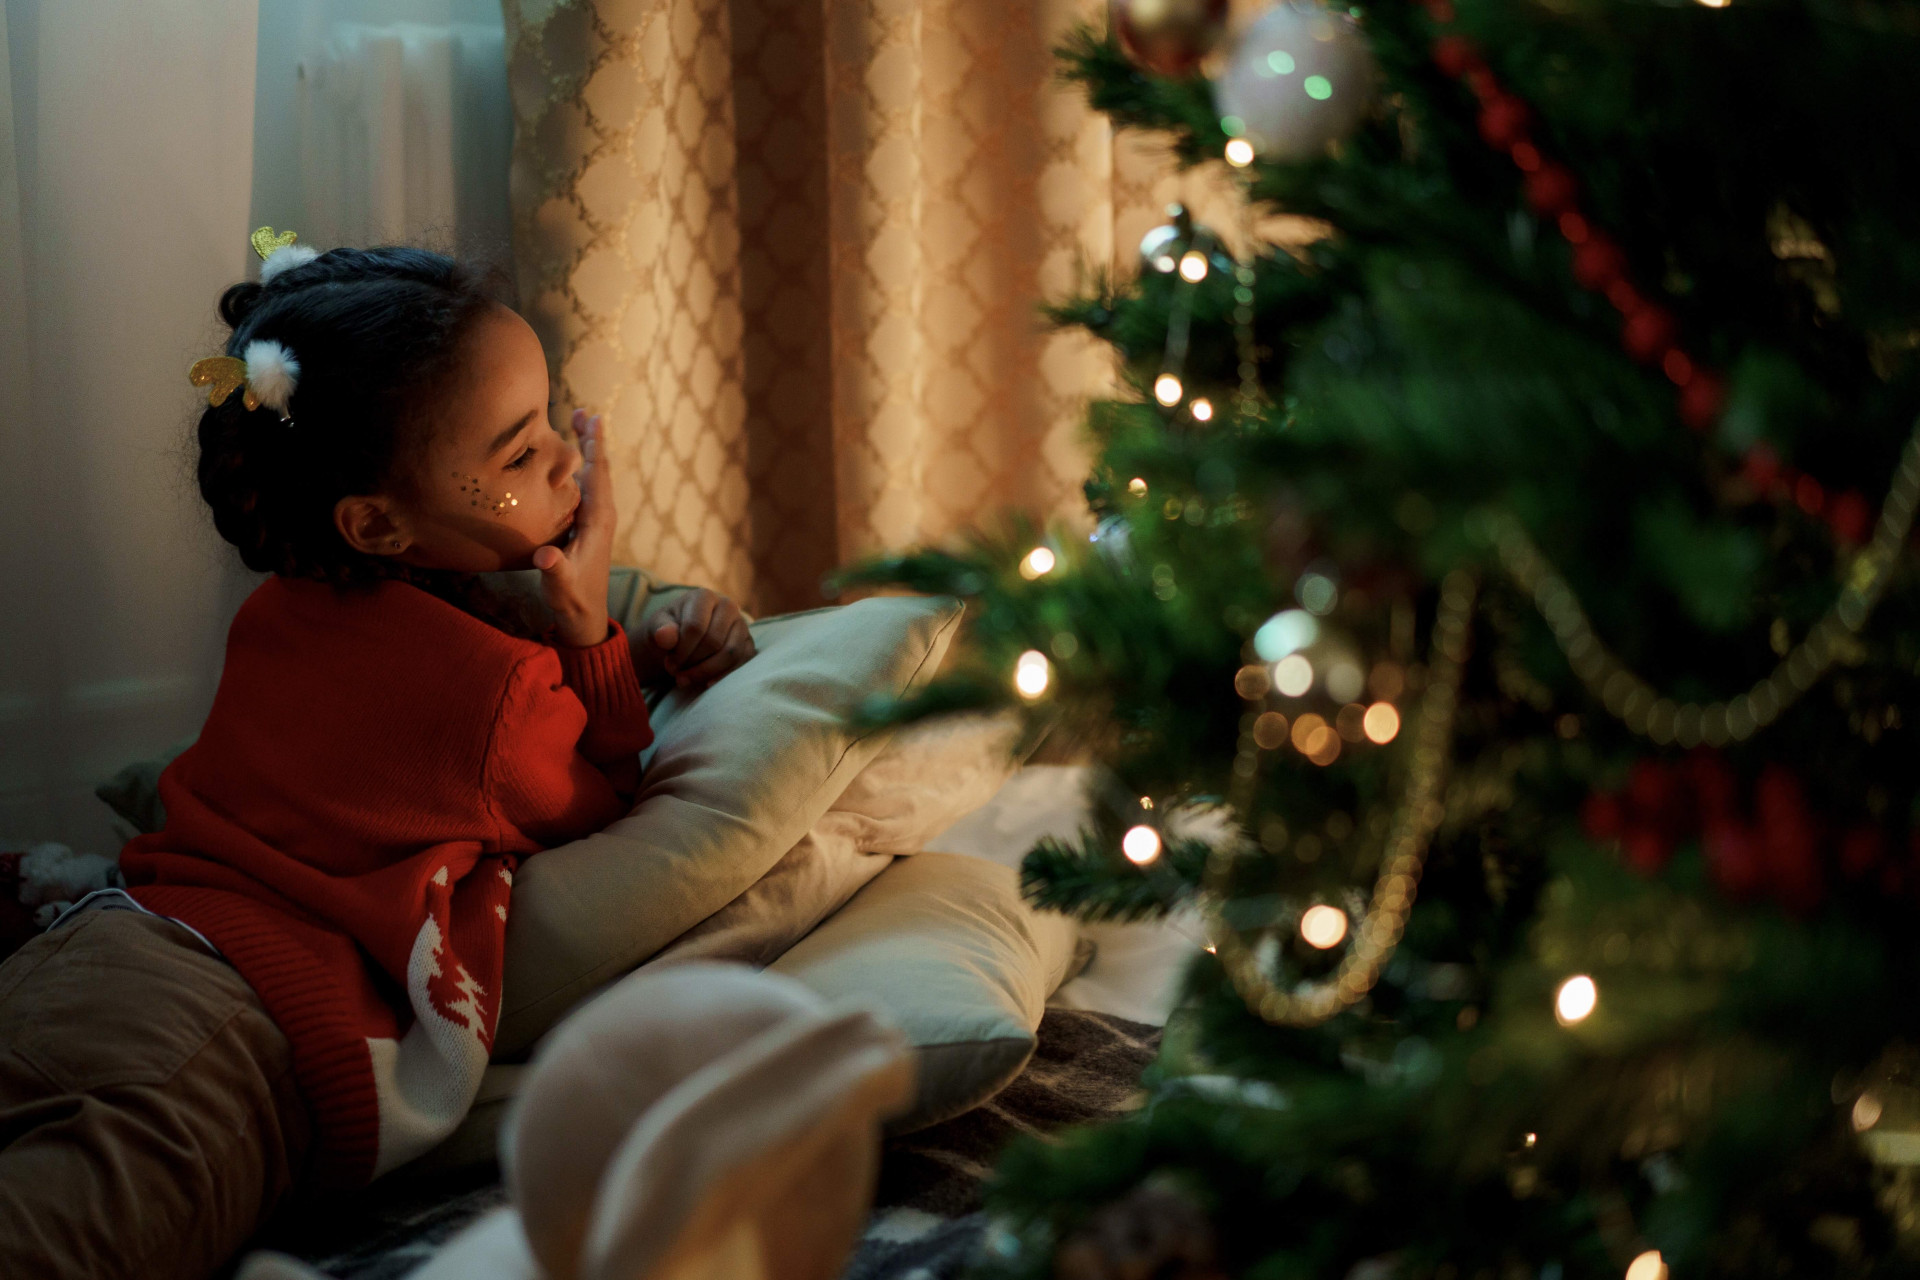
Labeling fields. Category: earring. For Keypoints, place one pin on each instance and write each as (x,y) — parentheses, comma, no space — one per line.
(396,544)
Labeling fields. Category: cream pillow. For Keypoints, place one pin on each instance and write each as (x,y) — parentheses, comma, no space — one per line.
(943,946)
(736,776)
(925,779)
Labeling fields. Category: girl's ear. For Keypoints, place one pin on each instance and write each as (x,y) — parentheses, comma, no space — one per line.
(370,525)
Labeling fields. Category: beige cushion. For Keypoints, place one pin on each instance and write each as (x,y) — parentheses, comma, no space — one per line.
(925,779)
(736,776)
(943,946)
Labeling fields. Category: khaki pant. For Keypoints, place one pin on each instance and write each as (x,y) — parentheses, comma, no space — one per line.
(148,1117)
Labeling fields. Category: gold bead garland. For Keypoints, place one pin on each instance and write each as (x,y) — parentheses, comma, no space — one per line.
(1414,821)
(1665,720)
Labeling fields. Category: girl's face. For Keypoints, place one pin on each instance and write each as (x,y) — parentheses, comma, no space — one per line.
(495,481)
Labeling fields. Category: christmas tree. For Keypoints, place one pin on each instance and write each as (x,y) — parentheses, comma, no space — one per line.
(1501,623)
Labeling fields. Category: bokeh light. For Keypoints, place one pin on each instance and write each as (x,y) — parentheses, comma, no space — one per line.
(1166,389)
(1345,680)
(1032,674)
(1201,409)
(1648,1266)
(1284,632)
(1323,926)
(1293,675)
(1193,266)
(1252,681)
(1381,723)
(1137,487)
(1038,563)
(1239,153)
(1866,1111)
(1575,999)
(1270,730)
(1141,845)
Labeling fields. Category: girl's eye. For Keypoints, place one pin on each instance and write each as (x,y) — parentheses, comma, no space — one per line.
(520,461)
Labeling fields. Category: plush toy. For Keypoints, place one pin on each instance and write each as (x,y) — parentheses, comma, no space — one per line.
(707,1122)
(51,877)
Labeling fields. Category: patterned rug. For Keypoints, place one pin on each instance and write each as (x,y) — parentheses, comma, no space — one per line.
(926,1221)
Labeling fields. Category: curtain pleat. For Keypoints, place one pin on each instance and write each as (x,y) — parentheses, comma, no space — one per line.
(795,250)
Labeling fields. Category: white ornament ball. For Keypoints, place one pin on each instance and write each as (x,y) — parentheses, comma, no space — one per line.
(1300,77)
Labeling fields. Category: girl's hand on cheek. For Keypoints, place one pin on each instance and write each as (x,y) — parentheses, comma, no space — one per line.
(574,581)
(700,637)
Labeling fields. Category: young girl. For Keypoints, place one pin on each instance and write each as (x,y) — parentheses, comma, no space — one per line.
(301,984)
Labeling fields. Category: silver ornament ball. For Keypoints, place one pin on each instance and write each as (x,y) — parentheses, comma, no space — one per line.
(1300,78)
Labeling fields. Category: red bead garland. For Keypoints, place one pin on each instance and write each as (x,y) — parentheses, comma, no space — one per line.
(1648,331)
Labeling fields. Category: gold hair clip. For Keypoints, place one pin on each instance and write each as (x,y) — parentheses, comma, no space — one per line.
(265,241)
(222,376)
(266,370)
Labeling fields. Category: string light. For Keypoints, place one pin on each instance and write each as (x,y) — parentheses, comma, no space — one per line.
(1038,563)
(1532,1140)
(1137,487)
(1032,674)
(1323,926)
(1239,153)
(1381,723)
(1575,999)
(1648,1266)
(1141,845)
(1293,675)
(1417,813)
(1716,4)
(1193,266)
(1166,389)
(1866,1112)
(1201,409)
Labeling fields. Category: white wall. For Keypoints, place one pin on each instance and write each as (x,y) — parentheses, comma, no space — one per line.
(125,177)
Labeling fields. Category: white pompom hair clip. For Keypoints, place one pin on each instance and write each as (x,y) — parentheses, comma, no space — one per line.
(267,372)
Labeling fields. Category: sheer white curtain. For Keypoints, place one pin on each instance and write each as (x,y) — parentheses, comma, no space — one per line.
(384,121)
(125,170)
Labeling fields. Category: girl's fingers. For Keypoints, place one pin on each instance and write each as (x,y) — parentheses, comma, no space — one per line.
(548,558)
(730,655)
(696,617)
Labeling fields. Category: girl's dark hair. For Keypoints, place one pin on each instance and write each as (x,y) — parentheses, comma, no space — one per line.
(378,333)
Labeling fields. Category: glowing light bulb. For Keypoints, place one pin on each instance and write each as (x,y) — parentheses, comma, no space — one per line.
(1146,802)
(1032,674)
(1137,487)
(1532,1140)
(1866,1112)
(1038,563)
(1323,926)
(1239,153)
(1648,1266)
(1716,4)
(1141,845)
(1575,999)
(1193,266)
(1292,675)
(1381,723)
(1166,389)
(1201,409)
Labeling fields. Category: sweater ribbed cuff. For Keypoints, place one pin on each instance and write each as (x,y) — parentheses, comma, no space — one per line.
(603,677)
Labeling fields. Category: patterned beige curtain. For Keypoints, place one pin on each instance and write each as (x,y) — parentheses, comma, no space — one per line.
(794,250)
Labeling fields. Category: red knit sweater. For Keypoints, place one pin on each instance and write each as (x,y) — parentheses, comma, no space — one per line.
(346,829)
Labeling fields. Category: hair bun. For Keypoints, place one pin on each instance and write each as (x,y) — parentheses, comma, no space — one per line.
(238,302)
